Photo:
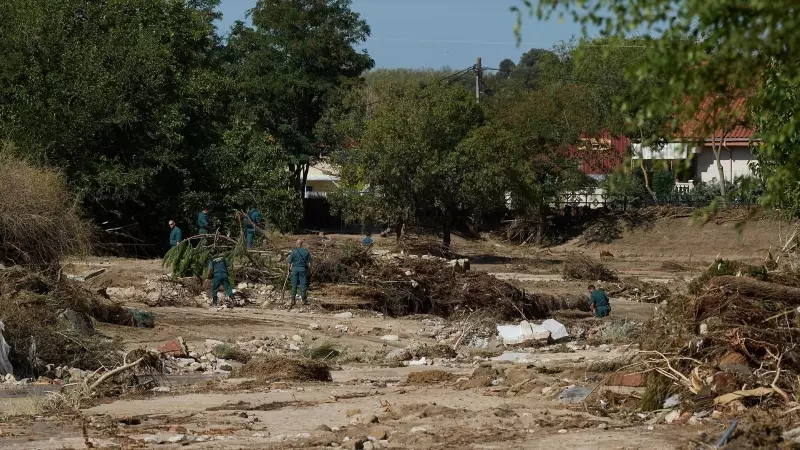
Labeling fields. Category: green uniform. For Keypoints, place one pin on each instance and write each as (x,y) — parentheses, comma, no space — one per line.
(202,223)
(602,307)
(300,259)
(175,236)
(219,269)
(252,220)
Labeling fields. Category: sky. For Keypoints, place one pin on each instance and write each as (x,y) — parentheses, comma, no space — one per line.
(437,33)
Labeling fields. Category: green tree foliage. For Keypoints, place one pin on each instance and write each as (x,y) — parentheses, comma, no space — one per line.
(114,93)
(289,66)
(414,159)
(710,53)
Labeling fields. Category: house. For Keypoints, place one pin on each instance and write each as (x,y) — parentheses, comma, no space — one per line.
(322,178)
(734,142)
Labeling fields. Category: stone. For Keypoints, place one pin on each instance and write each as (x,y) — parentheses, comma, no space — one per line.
(9,378)
(297,338)
(627,380)
(323,427)
(354,444)
(211,343)
(562,431)
(177,438)
(184,362)
(378,433)
(371,419)
(161,389)
(225,367)
(153,439)
(353,412)
(293,347)
(672,401)
(398,354)
(344,315)
(547,390)
(672,416)
(390,338)
(368,446)
(419,430)
(603,426)
(314,326)
(174,347)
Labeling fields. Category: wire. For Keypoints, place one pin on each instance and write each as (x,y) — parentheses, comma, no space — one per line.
(514,43)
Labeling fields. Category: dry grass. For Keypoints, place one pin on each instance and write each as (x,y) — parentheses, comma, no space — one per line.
(430,377)
(231,352)
(280,368)
(585,268)
(39,220)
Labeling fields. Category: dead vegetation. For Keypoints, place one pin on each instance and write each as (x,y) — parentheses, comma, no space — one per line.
(280,368)
(39,222)
(585,268)
(50,321)
(732,341)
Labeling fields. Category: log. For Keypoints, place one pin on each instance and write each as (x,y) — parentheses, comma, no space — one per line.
(758,290)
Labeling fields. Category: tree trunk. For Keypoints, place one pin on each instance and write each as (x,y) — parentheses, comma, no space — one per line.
(717,152)
(447,230)
(647,180)
(542,225)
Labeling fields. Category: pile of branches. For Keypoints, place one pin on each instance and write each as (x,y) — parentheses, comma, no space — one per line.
(724,267)
(51,321)
(401,287)
(341,263)
(585,268)
(639,291)
(39,222)
(737,332)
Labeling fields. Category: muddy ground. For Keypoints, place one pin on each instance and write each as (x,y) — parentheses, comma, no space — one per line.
(516,408)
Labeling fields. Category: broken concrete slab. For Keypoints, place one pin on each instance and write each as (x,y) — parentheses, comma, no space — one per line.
(86,276)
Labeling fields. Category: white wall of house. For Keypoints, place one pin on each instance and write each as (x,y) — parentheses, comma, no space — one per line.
(735,162)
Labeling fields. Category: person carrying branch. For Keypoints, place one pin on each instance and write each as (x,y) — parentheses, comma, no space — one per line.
(598,301)
(218,272)
(299,265)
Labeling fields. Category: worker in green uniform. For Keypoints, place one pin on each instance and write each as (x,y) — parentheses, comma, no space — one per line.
(367,242)
(599,303)
(202,221)
(251,221)
(175,235)
(299,265)
(218,272)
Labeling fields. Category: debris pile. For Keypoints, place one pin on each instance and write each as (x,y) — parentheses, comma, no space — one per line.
(633,289)
(280,368)
(51,322)
(732,344)
(582,267)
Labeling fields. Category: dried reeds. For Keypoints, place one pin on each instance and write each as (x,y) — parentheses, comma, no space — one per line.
(39,220)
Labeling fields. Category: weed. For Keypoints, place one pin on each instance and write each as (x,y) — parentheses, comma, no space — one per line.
(230,352)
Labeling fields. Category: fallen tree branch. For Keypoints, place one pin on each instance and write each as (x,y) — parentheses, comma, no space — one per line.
(111,373)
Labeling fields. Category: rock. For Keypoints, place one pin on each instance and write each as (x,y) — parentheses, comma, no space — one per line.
(293,347)
(420,362)
(344,315)
(225,367)
(153,439)
(297,338)
(177,438)
(161,389)
(378,433)
(419,430)
(390,338)
(574,395)
(398,354)
(174,347)
(323,427)
(603,426)
(9,378)
(792,435)
(627,380)
(353,412)
(672,416)
(211,343)
(368,446)
(547,390)
(371,419)
(562,431)
(673,401)
(314,326)
(184,362)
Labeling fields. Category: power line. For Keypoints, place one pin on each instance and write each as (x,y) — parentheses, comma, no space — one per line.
(514,43)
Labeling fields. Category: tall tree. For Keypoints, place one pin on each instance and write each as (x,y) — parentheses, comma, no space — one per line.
(413,159)
(118,94)
(289,66)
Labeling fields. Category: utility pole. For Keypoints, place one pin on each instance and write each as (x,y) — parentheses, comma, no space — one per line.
(478,79)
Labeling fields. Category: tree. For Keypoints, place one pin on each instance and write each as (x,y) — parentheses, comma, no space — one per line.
(117,95)
(289,66)
(413,158)
(708,50)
